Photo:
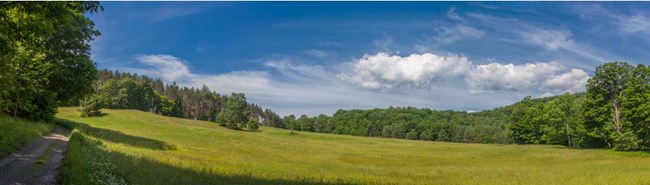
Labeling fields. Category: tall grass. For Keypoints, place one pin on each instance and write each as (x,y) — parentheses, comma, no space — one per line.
(133,147)
(16,132)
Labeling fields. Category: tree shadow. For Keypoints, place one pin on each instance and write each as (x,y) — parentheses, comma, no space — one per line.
(115,136)
(127,169)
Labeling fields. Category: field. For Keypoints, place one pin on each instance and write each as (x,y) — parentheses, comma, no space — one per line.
(15,133)
(133,147)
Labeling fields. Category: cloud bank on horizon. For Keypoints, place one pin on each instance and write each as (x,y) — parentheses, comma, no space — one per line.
(461,56)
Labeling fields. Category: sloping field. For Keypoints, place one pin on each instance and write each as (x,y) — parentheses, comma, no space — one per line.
(133,147)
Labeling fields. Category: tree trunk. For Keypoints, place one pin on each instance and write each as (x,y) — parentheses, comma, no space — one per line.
(568,136)
(617,116)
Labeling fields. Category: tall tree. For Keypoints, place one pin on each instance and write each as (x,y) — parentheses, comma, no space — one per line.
(44,57)
(603,104)
(636,111)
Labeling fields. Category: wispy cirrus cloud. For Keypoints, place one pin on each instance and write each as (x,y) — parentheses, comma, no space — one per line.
(176,10)
(557,43)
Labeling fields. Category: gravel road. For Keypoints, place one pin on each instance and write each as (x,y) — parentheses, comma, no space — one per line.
(36,163)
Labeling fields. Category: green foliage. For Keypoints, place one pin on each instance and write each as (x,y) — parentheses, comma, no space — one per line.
(253,124)
(132,91)
(526,121)
(236,111)
(92,105)
(16,132)
(44,56)
(410,123)
(604,89)
(616,109)
(613,113)
(560,120)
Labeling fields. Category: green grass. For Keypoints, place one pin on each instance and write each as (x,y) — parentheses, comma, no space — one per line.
(16,133)
(133,147)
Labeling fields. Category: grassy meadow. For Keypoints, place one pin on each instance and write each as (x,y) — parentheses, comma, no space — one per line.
(16,133)
(133,147)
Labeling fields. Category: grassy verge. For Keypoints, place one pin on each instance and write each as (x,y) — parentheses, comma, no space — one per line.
(133,147)
(16,133)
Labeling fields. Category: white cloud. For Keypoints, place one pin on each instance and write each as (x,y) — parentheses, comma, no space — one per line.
(169,67)
(555,40)
(314,89)
(173,10)
(451,14)
(544,77)
(449,35)
(635,23)
(317,53)
(382,71)
(558,43)
(572,81)
(550,39)
(172,69)
(299,89)
(385,72)
(384,42)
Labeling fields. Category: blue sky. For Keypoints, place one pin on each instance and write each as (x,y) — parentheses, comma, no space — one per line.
(317,57)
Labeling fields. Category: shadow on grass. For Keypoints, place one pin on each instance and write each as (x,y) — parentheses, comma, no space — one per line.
(88,160)
(115,136)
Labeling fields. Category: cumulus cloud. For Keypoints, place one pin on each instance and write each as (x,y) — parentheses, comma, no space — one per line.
(572,81)
(383,71)
(495,76)
(545,77)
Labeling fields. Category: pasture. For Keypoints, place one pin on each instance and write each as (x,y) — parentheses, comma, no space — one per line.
(134,147)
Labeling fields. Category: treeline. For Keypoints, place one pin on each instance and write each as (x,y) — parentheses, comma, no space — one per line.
(614,113)
(409,123)
(44,56)
(122,90)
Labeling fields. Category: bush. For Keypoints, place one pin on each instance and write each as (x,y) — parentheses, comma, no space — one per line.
(253,124)
(91,105)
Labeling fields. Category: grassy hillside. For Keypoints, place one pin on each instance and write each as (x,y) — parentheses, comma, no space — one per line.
(15,133)
(133,147)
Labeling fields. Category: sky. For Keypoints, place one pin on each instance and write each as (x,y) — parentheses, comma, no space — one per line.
(317,57)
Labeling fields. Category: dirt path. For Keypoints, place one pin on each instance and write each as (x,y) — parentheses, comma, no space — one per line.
(36,163)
